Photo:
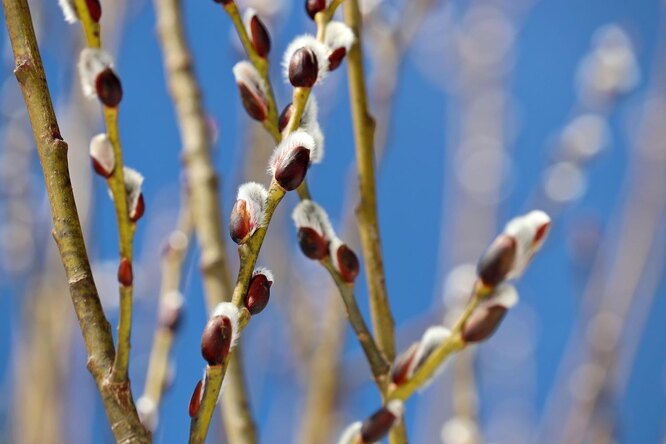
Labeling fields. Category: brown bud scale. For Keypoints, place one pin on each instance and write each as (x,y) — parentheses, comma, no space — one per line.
(377,426)
(497,261)
(137,212)
(400,369)
(285,117)
(261,40)
(291,172)
(195,400)
(239,222)
(109,89)
(313,245)
(99,169)
(258,294)
(312,7)
(216,340)
(335,58)
(483,323)
(94,9)
(253,102)
(303,68)
(348,265)
(125,275)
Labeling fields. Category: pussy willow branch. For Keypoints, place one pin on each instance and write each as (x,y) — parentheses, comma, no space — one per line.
(378,363)
(172,264)
(364,129)
(116,397)
(203,184)
(126,227)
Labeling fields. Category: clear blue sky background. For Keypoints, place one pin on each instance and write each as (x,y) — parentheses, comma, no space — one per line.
(551,41)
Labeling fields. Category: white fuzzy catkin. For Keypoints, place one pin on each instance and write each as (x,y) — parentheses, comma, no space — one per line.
(133,182)
(69,10)
(504,295)
(339,35)
(524,230)
(148,413)
(319,50)
(245,73)
(310,215)
(101,150)
(255,196)
(310,124)
(287,146)
(351,433)
(231,312)
(92,61)
(265,271)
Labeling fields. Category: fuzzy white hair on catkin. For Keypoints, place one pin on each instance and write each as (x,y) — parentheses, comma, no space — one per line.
(339,35)
(524,229)
(148,414)
(286,147)
(247,20)
(255,196)
(245,73)
(504,295)
(351,433)
(317,153)
(310,112)
(69,10)
(231,312)
(92,61)
(309,214)
(333,246)
(133,182)
(102,151)
(430,340)
(319,50)
(396,407)
(265,271)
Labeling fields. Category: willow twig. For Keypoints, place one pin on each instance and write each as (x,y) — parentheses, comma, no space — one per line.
(205,202)
(116,396)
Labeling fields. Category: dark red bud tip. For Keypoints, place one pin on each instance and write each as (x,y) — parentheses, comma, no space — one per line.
(195,400)
(138,210)
(216,340)
(483,323)
(125,275)
(99,168)
(254,104)
(108,87)
(239,222)
(223,2)
(497,261)
(400,369)
(312,244)
(94,9)
(335,58)
(258,294)
(312,7)
(347,263)
(541,232)
(285,117)
(303,68)
(261,40)
(291,172)
(377,426)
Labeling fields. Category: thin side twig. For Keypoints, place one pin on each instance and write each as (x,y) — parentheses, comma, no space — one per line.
(116,397)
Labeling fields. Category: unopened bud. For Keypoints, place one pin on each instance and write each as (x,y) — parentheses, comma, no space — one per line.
(497,261)
(291,159)
(223,2)
(312,7)
(257,32)
(401,369)
(171,310)
(135,203)
(305,61)
(247,214)
(220,334)
(379,423)
(314,229)
(252,90)
(489,314)
(259,291)
(530,232)
(344,260)
(125,275)
(102,155)
(352,434)
(312,244)
(98,78)
(108,88)
(339,39)
(195,400)
(94,9)
(285,117)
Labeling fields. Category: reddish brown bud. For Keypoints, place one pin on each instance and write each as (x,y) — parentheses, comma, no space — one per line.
(108,88)
(261,40)
(377,426)
(259,292)
(285,117)
(335,58)
(402,364)
(216,340)
(195,400)
(125,275)
(94,9)
(347,263)
(223,2)
(541,233)
(312,244)
(239,222)
(312,7)
(498,260)
(254,104)
(138,210)
(483,323)
(303,68)
(291,172)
